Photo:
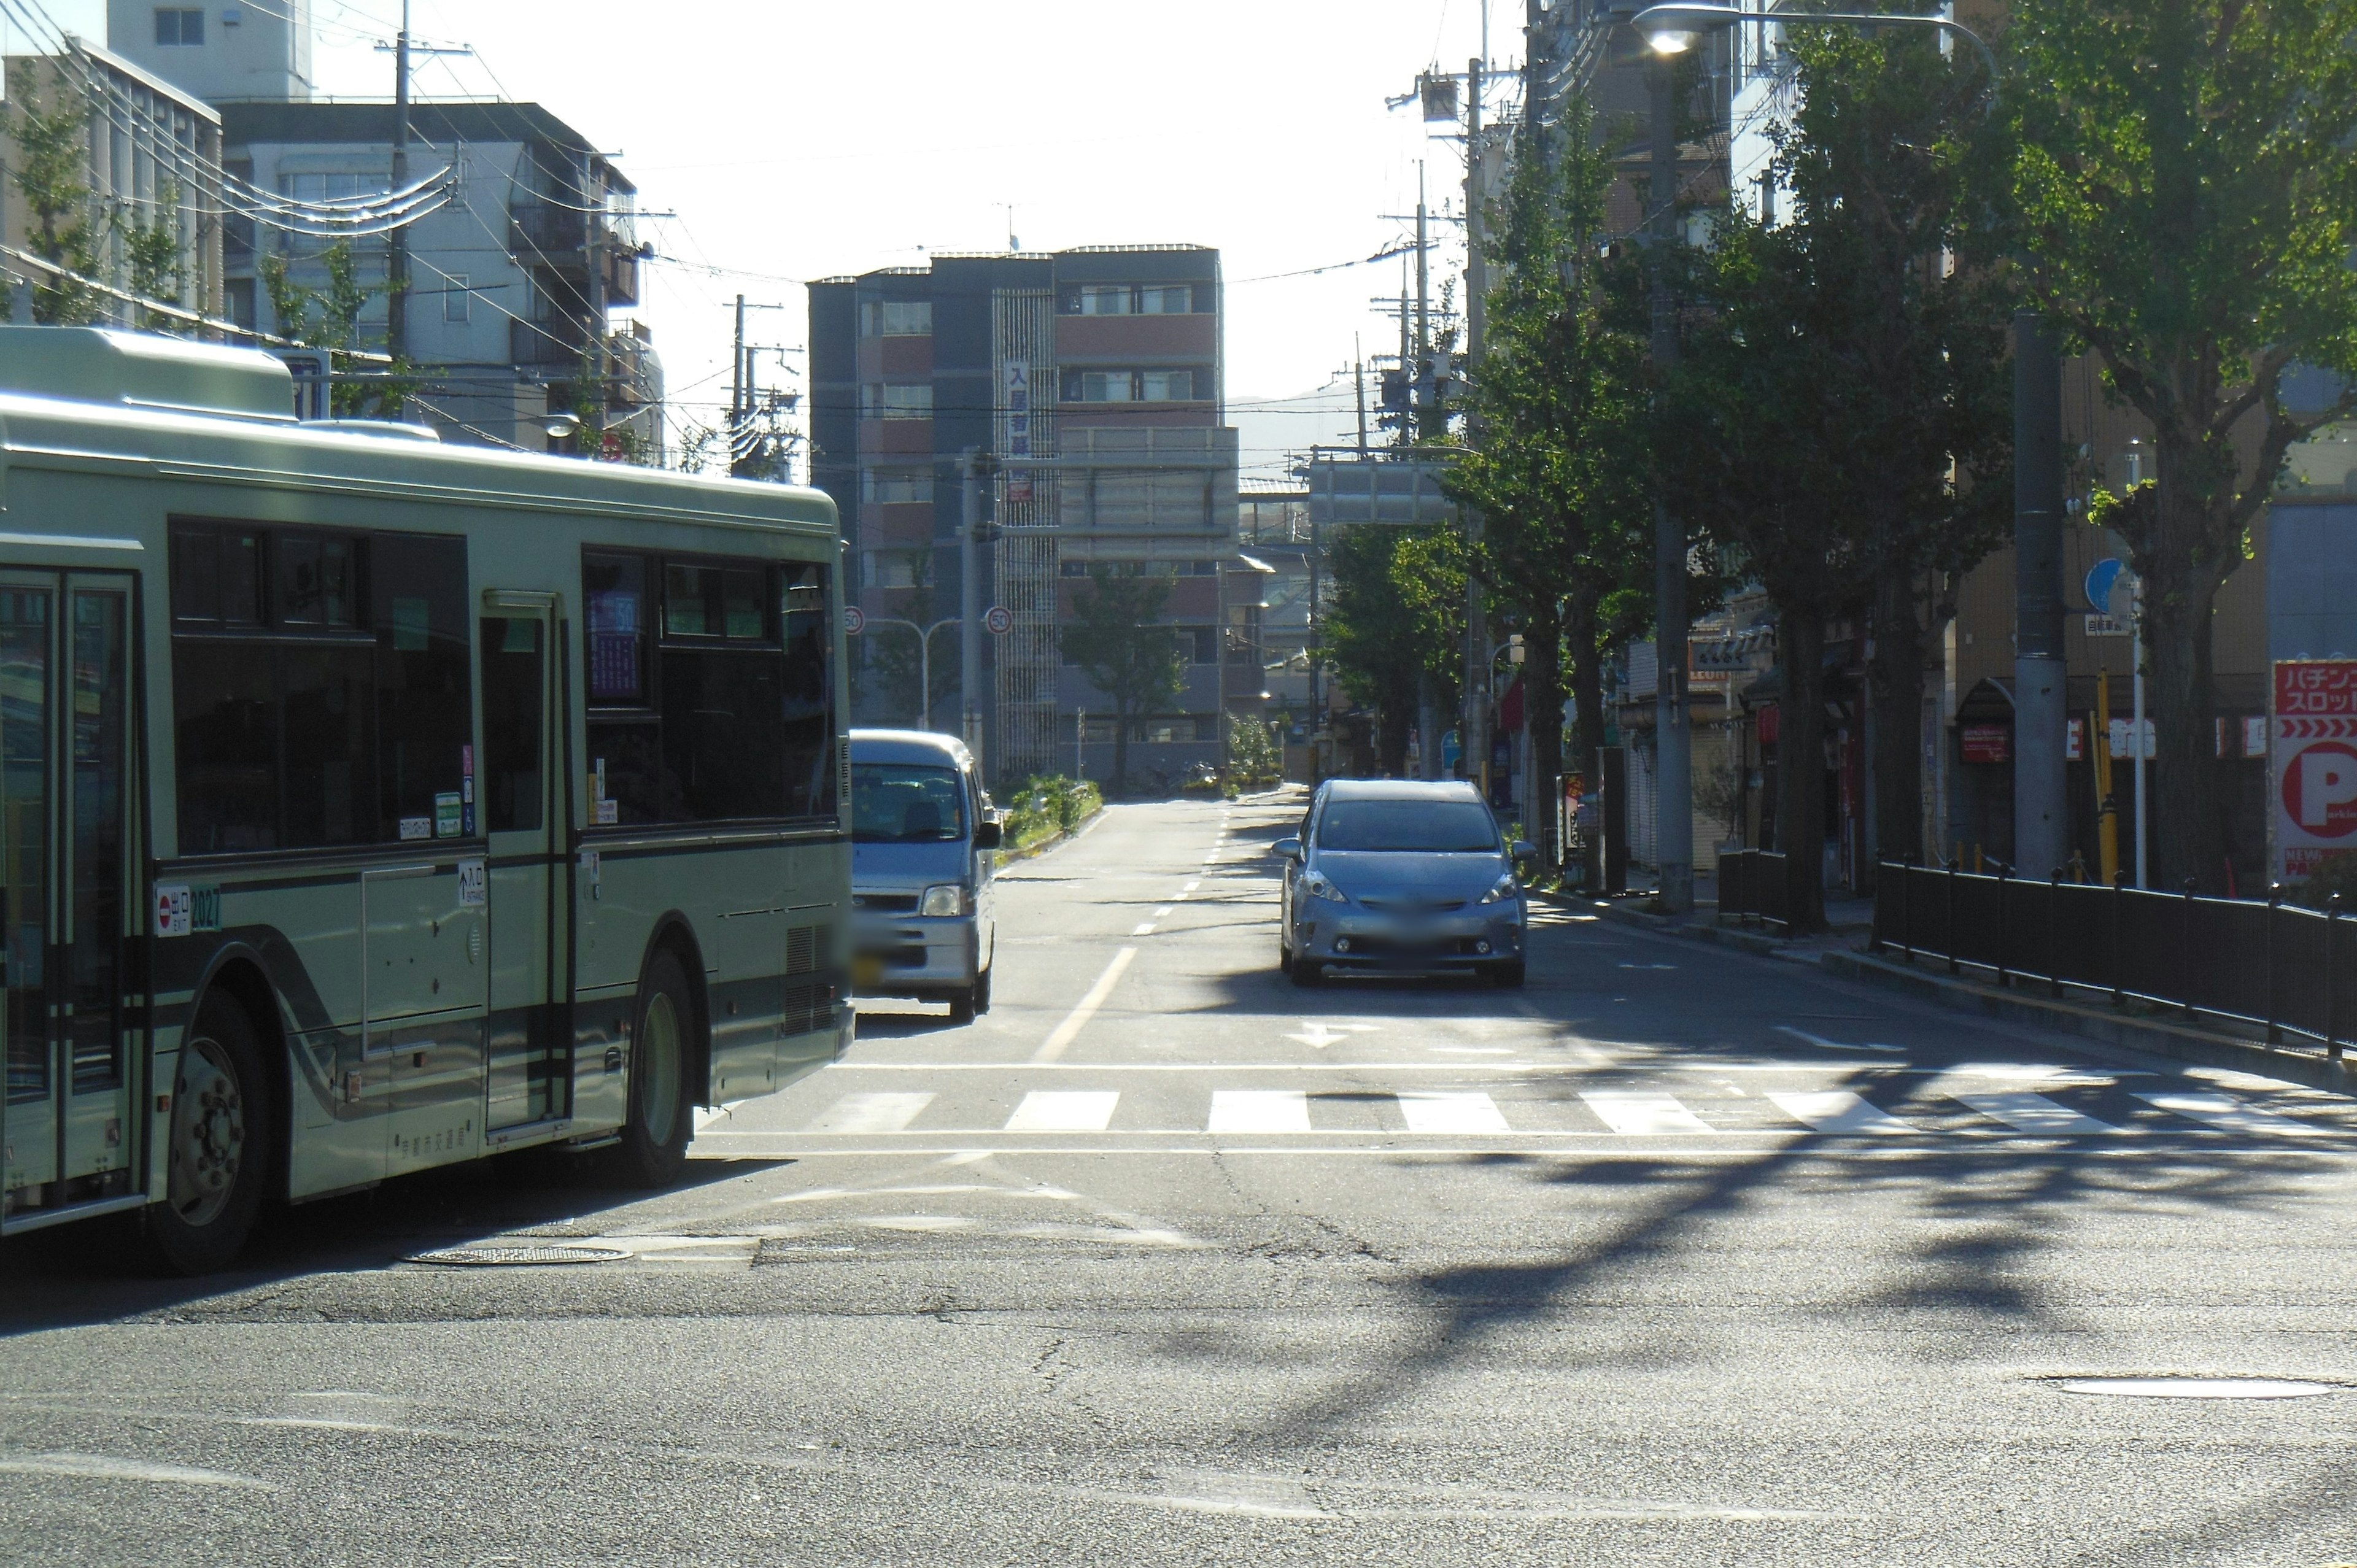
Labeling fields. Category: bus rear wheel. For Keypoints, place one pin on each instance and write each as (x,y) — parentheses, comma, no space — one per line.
(654,1150)
(219,1156)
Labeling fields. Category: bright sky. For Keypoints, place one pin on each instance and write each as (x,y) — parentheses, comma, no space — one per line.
(799,139)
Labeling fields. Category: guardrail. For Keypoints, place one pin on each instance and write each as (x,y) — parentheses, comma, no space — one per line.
(1751,886)
(2272,963)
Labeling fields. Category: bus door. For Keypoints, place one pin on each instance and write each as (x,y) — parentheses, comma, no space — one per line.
(519,788)
(65,750)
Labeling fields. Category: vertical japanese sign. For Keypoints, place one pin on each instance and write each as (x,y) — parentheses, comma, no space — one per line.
(2312,764)
(1016,396)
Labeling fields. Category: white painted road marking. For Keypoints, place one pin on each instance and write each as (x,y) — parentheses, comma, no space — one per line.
(872,1112)
(1637,1113)
(1259,1111)
(1165,909)
(1064,1110)
(1321,1035)
(1054,1046)
(1446,1111)
(1824,1043)
(1837,1111)
(2229,1114)
(1144,928)
(2028,1112)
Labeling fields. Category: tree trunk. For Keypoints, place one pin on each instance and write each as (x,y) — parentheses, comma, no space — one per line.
(1120,788)
(2181,578)
(1582,636)
(1543,709)
(1395,715)
(1895,675)
(1801,769)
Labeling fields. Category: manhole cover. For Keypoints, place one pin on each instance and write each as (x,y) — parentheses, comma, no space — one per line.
(519,1257)
(2196,1387)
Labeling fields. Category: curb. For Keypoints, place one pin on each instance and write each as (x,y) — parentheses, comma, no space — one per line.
(2152,1036)
(1758,943)
(1007,857)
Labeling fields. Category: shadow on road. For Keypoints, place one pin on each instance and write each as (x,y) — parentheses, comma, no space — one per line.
(98,1271)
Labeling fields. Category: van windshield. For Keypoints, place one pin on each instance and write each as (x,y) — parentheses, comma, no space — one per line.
(898,802)
(1427,827)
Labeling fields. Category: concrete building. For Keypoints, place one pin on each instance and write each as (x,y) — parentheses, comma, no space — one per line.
(152,155)
(1101,366)
(513,284)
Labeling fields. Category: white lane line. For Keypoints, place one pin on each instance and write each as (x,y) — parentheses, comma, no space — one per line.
(1823,1044)
(1631,1111)
(1054,1046)
(1189,887)
(1163,911)
(2231,1115)
(106,1467)
(1143,928)
(1450,1111)
(2026,1112)
(1837,1111)
(1473,1050)
(1259,1111)
(877,1111)
(1064,1111)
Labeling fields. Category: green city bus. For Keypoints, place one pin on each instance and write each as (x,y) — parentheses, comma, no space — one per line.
(369,804)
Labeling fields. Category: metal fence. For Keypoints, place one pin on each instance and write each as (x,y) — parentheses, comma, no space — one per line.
(2272,963)
(1751,886)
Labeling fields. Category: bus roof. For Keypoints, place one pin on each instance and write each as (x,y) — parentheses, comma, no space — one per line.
(69,395)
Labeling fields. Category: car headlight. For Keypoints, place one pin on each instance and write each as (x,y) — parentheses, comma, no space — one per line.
(1505,889)
(1313,885)
(943,900)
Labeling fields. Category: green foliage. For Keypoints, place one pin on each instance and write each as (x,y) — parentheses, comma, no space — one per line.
(1044,806)
(2337,874)
(52,166)
(1253,756)
(1396,620)
(1113,638)
(330,319)
(2183,182)
(894,657)
(158,265)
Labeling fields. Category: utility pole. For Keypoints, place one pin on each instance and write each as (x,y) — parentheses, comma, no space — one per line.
(1359,379)
(1423,315)
(1476,289)
(737,395)
(2040,705)
(972,466)
(396,243)
(1673,753)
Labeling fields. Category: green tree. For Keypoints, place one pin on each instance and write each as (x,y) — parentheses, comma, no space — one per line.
(158,263)
(1879,160)
(896,659)
(51,173)
(330,319)
(1394,630)
(1115,639)
(1558,471)
(2186,191)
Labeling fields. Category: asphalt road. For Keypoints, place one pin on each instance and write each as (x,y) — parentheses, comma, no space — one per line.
(1677,1257)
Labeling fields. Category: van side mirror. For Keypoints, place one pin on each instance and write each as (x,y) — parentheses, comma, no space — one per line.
(985,835)
(1289,848)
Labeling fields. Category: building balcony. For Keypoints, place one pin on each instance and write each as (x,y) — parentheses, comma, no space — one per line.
(554,344)
(619,268)
(543,230)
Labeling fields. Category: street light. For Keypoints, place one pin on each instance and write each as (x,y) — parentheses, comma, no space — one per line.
(1675,28)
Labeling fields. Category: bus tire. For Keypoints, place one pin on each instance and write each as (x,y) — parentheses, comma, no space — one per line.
(218,1161)
(654,1150)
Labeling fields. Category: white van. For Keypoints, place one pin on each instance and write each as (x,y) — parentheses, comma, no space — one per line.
(924,840)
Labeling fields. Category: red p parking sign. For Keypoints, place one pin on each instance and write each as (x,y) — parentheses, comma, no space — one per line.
(2313,755)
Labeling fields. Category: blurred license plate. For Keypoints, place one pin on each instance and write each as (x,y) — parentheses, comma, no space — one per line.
(866,969)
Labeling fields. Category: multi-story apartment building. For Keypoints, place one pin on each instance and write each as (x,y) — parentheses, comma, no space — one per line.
(1094,377)
(513,283)
(151,164)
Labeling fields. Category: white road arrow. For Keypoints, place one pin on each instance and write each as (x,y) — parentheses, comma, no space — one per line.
(1319,1036)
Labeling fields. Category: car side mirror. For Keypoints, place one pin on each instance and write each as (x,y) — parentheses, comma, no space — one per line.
(1525,849)
(985,835)
(1289,848)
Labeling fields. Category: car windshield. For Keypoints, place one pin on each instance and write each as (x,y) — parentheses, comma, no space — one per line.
(898,802)
(1429,827)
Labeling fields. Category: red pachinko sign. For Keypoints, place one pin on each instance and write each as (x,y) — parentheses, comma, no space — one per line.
(2312,755)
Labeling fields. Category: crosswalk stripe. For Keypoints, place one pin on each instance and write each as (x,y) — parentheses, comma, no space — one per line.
(1446,1111)
(872,1112)
(1064,1110)
(2229,1114)
(2026,1112)
(1628,1110)
(1837,1111)
(1259,1111)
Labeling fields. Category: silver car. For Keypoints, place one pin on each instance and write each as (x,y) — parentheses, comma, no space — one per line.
(924,840)
(1402,878)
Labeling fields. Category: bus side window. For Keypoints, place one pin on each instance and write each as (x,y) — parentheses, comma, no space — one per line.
(513,685)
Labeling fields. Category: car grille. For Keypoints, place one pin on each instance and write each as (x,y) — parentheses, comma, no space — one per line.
(884,903)
(1412,906)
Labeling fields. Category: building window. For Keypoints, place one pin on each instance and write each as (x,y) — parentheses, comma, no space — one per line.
(178,26)
(895,487)
(896,399)
(1200,644)
(1128,299)
(1179,729)
(1129,386)
(457,298)
(890,568)
(896,317)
